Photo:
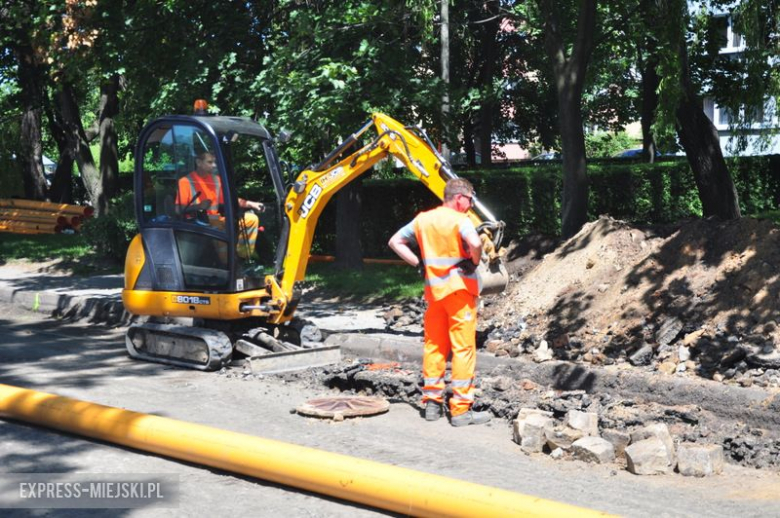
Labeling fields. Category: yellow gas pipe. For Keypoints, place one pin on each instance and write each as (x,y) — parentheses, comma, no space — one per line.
(388,487)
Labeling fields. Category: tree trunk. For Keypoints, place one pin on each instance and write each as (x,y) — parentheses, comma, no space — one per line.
(61,190)
(68,109)
(489,50)
(468,143)
(445,76)
(109,152)
(569,76)
(650,83)
(31,149)
(349,250)
(699,138)
(574,205)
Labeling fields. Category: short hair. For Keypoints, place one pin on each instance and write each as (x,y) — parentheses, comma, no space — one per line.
(457,186)
(202,156)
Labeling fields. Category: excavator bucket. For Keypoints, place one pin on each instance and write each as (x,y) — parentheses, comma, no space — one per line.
(493,277)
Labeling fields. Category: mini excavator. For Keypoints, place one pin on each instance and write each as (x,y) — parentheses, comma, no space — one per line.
(204,300)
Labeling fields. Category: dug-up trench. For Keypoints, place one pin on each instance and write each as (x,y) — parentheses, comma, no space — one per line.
(675,325)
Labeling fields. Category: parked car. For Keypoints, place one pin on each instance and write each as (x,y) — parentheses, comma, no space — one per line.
(550,155)
(633,153)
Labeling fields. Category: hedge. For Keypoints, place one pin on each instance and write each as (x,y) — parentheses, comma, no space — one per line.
(528,197)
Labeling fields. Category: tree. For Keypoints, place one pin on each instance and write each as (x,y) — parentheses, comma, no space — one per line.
(19,35)
(329,66)
(681,107)
(569,62)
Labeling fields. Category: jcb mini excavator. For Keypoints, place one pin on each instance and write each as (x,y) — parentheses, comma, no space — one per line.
(204,299)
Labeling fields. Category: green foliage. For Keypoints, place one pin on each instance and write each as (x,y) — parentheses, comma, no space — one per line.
(42,247)
(604,145)
(111,233)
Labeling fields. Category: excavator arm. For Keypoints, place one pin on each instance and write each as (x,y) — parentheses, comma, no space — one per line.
(315,186)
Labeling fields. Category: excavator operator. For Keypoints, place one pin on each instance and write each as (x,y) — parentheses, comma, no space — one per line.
(200,196)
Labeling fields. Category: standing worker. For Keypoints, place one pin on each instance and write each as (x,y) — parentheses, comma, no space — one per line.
(451,250)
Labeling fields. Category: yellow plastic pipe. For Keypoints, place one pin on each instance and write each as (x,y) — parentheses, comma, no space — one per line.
(388,487)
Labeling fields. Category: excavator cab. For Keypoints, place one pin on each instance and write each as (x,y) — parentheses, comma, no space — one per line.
(196,250)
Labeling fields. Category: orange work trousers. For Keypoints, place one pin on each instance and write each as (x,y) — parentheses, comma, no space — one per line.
(451,326)
(248,226)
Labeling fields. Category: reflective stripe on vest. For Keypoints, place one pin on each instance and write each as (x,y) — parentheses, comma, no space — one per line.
(441,245)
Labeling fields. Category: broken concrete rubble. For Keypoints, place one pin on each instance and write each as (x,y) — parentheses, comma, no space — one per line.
(653,398)
(619,440)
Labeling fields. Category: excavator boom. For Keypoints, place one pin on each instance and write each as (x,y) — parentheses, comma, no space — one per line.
(314,187)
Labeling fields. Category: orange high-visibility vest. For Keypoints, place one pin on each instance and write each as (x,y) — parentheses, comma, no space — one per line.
(438,234)
(210,188)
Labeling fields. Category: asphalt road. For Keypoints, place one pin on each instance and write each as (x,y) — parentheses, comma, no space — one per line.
(89,363)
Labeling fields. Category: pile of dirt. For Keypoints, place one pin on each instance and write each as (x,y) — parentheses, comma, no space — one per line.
(698,298)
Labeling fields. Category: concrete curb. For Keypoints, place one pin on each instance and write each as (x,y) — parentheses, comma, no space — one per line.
(95,309)
(752,406)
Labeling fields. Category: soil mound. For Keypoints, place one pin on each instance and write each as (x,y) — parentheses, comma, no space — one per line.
(700,297)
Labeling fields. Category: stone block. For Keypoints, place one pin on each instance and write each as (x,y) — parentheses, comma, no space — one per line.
(699,460)
(648,457)
(593,449)
(619,440)
(562,437)
(659,431)
(530,432)
(588,422)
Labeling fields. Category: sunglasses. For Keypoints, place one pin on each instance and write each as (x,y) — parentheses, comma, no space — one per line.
(471,202)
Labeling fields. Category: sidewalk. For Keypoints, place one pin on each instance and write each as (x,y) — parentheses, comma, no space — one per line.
(96,297)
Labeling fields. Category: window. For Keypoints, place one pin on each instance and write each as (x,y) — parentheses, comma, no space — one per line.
(170,154)
(172,196)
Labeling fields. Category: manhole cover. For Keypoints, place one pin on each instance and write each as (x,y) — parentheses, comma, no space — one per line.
(340,407)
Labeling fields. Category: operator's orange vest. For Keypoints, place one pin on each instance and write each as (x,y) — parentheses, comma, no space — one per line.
(438,234)
(210,188)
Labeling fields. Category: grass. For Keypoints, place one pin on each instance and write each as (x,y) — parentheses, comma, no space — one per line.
(42,247)
(75,255)
(376,281)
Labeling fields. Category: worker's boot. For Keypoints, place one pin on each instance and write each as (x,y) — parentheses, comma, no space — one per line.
(433,411)
(470,417)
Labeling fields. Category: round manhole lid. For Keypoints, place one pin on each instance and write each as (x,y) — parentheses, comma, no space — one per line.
(340,407)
